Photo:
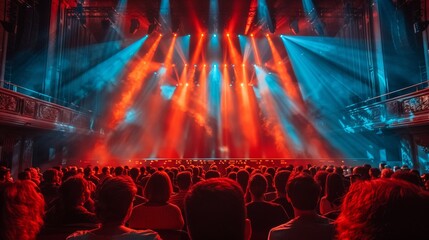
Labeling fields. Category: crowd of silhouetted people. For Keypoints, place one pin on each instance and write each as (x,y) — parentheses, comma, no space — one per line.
(237,203)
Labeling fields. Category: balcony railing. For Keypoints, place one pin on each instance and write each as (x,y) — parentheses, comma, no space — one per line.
(384,111)
(17,107)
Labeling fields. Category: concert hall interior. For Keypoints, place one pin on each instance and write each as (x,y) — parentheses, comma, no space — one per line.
(212,87)
(115,81)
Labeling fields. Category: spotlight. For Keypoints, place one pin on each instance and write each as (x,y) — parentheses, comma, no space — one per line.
(175,34)
(160,35)
(267,35)
(187,84)
(202,34)
(420,26)
(251,34)
(135,25)
(214,35)
(227,34)
(205,65)
(224,65)
(294,26)
(186,64)
(195,65)
(243,65)
(151,28)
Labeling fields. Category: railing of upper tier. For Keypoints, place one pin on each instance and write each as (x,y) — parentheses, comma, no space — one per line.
(400,92)
(409,109)
(17,108)
(41,96)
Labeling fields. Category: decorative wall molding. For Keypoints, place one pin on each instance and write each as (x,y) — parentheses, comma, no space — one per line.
(416,104)
(8,102)
(29,108)
(48,113)
(20,109)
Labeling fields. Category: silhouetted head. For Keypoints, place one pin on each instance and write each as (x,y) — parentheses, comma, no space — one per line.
(215,210)
(303,192)
(114,198)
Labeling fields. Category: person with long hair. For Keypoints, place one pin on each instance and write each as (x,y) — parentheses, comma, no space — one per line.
(157,213)
(22,208)
(334,193)
(384,209)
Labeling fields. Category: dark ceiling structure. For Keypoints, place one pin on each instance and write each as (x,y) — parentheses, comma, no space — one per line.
(238,16)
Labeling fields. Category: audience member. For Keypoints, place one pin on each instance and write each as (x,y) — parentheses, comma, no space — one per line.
(280,180)
(215,210)
(374,173)
(320,178)
(69,208)
(334,193)
(114,202)
(232,175)
(157,213)
(243,179)
(184,183)
(384,209)
(212,174)
(21,208)
(406,175)
(386,173)
(263,215)
(50,185)
(5,175)
(104,174)
(303,192)
(196,175)
(89,176)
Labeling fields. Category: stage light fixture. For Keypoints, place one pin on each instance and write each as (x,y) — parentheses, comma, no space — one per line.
(294,26)
(151,28)
(420,26)
(160,35)
(267,35)
(202,34)
(135,25)
(227,34)
(251,34)
(214,35)
(175,34)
